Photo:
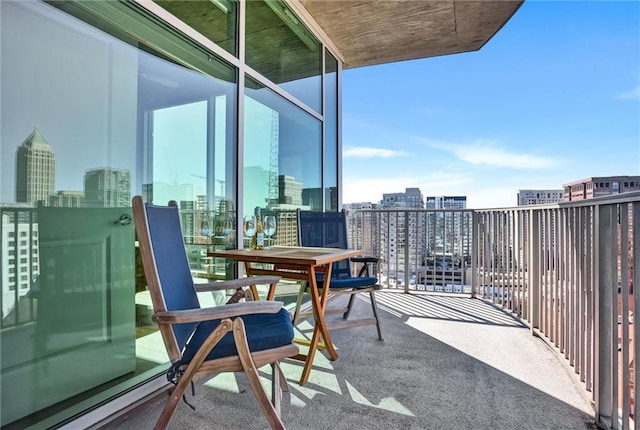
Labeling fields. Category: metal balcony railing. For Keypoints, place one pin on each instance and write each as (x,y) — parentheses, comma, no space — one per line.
(566,270)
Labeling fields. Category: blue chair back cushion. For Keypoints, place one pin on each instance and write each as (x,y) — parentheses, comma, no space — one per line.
(325,230)
(264,331)
(172,265)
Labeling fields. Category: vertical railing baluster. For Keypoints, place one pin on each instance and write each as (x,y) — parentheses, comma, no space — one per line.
(589,222)
(623,310)
(407,214)
(546,305)
(474,252)
(635,258)
(605,385)
(574,286)
(526,286)
(557,278)
(533,276)
(568,324)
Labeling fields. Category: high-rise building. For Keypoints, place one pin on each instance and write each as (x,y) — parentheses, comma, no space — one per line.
(590,188)
(107,187)
(539,197)
(600,186)
(35,169)
(448,227)
(446,202)
(411,199)
(402,225)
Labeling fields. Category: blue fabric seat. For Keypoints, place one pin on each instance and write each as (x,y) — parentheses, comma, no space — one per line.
(264,331)
(350,282)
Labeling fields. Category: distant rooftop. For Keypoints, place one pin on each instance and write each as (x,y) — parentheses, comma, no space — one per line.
(36,140)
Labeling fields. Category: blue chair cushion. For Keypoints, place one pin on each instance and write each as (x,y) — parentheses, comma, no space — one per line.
(264,331)
(350,282)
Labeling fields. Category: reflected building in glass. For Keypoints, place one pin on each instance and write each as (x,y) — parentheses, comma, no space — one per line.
(107,188)
(35,169)
(67,199)
(19,259)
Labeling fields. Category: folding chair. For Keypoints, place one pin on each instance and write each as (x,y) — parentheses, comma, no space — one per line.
(329,230)
(239,337)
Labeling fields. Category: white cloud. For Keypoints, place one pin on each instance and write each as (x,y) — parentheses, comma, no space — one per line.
(631,94)
(487,153)
(435,182)
(495,197)
(366,152)
(356,189)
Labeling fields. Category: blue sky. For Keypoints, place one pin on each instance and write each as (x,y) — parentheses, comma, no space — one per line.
(552,98)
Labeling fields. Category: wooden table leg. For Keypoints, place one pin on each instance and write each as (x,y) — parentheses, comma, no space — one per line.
(319,303)
(254,288)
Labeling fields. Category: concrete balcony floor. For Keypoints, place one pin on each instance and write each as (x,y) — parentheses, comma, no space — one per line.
(445,363)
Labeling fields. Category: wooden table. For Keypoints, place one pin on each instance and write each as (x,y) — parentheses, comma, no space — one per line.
(302,264)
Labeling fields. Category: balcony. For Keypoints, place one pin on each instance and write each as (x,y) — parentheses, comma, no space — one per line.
(474,301)
(509,318)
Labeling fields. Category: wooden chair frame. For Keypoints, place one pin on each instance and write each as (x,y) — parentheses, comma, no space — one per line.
(363,272)
(231,320)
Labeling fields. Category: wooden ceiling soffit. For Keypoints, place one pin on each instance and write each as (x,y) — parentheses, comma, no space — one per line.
(369,32)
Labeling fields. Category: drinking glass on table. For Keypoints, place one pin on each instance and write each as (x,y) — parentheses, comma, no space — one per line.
(249,227)
(269,227)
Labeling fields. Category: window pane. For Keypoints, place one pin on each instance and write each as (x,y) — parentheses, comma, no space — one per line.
(331,133)
(282,156)
(280,47)
(215,19)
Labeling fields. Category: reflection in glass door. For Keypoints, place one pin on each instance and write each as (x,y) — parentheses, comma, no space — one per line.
(179,150)
(75,330)
(188,164)
(83,333)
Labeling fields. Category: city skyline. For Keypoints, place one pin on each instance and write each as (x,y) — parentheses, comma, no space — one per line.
(35,184)
(109,187)
(552,98)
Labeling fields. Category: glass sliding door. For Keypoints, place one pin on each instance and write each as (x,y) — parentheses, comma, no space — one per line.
(122,106)
(68,152)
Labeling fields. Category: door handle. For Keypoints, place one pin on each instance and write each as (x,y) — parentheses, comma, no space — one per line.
(124,219)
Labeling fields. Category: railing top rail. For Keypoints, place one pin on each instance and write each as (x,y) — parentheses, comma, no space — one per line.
(417,210)
(628,197)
